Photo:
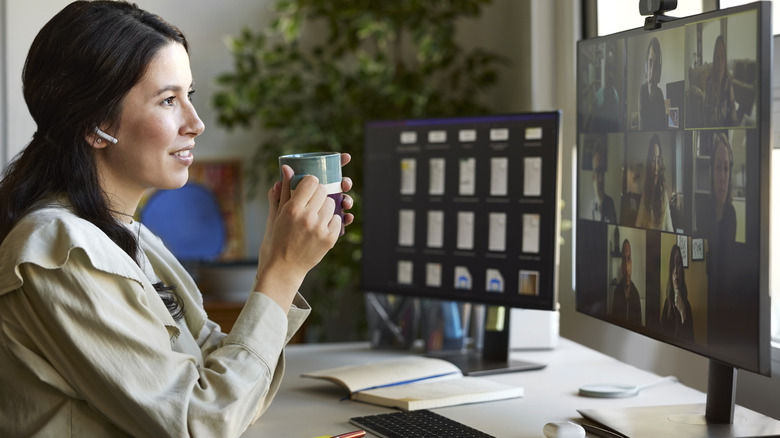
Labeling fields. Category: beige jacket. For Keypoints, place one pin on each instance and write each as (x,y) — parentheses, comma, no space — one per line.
(87,347)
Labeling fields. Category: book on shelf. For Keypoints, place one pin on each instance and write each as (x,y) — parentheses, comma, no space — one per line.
(415,382)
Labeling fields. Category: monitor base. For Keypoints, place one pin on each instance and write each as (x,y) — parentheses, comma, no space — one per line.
(681,421)
(472,363)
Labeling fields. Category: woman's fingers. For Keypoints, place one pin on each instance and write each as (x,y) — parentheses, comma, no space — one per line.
(346,184)
(345,159)
(346,204)
(310,205)
(287,174)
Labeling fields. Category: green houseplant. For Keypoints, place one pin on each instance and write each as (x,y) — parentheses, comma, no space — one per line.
(325,67)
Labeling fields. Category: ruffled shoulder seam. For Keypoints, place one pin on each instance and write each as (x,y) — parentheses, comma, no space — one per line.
(46,238)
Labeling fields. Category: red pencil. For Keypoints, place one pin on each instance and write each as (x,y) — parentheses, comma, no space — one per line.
(355,434)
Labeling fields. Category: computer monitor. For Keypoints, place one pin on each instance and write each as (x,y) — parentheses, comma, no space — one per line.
(672,242)
(465,209)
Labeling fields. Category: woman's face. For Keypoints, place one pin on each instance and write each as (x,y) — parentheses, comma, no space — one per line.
(626,264)
(722,174)
(157,128)
(652,65)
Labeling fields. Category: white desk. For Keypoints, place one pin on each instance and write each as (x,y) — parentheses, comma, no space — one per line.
(307,408)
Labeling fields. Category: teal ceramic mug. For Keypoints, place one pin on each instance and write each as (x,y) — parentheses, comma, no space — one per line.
(326,166)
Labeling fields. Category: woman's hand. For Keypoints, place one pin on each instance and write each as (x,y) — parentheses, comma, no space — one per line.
(346,185)
(301,229)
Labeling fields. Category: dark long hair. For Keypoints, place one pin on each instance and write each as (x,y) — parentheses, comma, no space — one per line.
(79,68)
(656,190)
(683,287)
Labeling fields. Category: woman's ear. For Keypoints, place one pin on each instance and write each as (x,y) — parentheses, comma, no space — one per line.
(99,139)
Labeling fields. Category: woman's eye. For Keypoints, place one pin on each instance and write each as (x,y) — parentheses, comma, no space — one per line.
(169,101)
(189,95)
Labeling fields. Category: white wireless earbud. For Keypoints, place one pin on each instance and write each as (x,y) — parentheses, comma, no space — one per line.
(105,136)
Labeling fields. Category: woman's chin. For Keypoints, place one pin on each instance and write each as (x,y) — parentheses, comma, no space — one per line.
(174,184)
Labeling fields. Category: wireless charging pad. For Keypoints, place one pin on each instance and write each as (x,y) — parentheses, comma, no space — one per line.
(619,390)
(609,390)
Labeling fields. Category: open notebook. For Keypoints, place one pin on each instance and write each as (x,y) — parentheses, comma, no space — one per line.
(415,382)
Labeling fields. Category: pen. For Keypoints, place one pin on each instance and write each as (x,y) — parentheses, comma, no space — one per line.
(355,434)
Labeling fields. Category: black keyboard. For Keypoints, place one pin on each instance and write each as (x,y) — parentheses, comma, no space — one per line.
(413,424)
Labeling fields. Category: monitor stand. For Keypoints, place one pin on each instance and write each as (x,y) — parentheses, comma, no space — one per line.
(494,355)
(719,417)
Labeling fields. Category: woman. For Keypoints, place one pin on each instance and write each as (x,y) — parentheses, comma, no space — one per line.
(719,94)
(652,109)
(716,221)
(605,111)
(654,211)
(676,316)
(717,218)
(103,332)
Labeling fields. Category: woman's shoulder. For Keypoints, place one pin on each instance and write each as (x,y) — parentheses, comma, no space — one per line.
(730,220)
(47,236)
(643,91)
(50,226)
(729,211)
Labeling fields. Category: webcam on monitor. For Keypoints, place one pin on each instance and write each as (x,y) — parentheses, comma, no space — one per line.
(655,9)
(652,7)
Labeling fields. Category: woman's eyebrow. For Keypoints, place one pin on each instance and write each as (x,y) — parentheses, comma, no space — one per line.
(173,88)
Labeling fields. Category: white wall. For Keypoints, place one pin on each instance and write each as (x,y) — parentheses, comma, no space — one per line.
(3,104)
(508,36)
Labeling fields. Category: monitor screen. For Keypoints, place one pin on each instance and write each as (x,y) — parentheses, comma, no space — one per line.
(673,133)
(463,208)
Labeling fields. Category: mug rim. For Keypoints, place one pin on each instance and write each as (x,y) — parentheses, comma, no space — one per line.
(310,155)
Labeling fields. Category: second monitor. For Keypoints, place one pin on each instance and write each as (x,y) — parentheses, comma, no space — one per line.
(463,209)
